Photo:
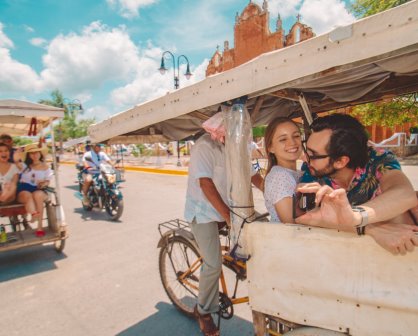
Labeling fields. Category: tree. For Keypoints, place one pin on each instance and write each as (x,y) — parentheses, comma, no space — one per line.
(363,8)
(258,131)
(57,100)
(398,110)
(70,126)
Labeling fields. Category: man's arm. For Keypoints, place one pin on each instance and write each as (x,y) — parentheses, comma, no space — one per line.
(258,181)
(85,163)
(335,212)
(395,238)
(213,196)
(397,197)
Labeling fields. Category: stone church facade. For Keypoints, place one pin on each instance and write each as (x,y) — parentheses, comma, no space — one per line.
(252,37)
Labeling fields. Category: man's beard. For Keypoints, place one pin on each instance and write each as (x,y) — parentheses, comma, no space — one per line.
(327,171)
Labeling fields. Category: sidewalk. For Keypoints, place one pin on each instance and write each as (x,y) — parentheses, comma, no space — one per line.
(151,164)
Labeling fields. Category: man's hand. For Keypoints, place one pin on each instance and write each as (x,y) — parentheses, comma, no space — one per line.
(334,210)
(396,238)
(42,184)
(213,196)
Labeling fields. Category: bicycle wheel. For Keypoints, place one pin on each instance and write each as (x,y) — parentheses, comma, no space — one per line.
(180,272)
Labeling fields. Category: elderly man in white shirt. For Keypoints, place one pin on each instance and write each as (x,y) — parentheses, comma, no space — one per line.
(206,207)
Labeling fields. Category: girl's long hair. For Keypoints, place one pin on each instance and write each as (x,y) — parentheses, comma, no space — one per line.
(29,161)
(268,139)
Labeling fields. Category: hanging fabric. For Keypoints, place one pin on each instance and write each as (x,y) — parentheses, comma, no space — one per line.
(32,127)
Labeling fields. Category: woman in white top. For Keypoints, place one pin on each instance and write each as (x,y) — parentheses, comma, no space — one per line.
(34,178)
(9,175)
(284,146)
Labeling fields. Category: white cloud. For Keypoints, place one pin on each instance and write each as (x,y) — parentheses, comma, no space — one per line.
(195,29)
(324,15)
(38,41)
(15,76)
(150,84)
(286,8)
(29,29)
(321,15)
(129,8)
(4,40)
(80,64)
(99,112)
(76,63)
(83,97)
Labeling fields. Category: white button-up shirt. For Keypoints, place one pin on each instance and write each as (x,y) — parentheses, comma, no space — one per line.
(96,159)
(207,160)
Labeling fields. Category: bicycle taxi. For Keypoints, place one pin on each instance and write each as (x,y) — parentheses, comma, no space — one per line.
(301,280)
(21,118)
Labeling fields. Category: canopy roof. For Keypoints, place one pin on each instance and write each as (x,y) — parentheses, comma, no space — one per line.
(74,142)
(371,59)
(18,117)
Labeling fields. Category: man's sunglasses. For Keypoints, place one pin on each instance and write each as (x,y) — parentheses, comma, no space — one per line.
(310,157)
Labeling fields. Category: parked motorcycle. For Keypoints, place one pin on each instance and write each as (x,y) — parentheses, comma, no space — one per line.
(104,190)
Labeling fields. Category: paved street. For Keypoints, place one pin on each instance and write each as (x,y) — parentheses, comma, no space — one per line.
(106,282)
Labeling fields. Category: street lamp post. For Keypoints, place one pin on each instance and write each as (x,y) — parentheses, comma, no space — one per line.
(176,77)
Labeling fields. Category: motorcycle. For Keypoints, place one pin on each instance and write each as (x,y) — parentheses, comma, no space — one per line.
(104,190)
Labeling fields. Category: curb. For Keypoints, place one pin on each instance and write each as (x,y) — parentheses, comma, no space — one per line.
(145,170)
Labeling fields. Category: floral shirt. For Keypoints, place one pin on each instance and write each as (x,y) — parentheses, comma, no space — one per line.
(365,184)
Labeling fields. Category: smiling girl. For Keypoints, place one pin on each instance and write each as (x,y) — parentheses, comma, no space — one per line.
(34,178)
(284,146)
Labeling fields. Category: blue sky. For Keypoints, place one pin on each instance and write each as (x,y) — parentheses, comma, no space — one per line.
(106,53)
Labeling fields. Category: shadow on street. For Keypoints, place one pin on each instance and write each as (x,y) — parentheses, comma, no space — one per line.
(169,321)
(20,263)
(94,215)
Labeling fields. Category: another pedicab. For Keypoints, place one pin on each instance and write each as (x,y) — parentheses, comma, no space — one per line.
(301,280)
(21,118)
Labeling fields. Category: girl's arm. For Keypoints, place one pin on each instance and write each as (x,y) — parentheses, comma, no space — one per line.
(284,209)
(47,177)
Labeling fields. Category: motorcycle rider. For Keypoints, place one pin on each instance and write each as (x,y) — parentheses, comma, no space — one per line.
(91,161)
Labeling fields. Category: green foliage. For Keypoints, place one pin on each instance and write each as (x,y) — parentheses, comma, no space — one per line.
(363,8)
(137,150)
(413,130)
(18,141)
(400,109)
(57,100)
(70,127)
(397,111)
(259,131)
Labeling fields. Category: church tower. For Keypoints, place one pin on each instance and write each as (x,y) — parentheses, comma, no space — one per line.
(252,37)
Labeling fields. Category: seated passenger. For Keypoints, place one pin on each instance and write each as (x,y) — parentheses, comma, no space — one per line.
(283,147)
(8,140)
(363,190)
(9,175)
(35,177)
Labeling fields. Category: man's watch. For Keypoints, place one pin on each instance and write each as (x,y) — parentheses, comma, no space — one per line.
(361,228)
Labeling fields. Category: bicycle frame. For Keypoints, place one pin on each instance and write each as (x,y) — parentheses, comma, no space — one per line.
(181,228)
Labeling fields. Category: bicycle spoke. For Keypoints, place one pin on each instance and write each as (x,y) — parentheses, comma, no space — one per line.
(180,269)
